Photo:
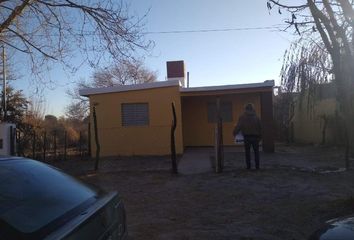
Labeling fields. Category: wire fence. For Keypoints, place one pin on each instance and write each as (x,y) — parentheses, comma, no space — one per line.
(42,145)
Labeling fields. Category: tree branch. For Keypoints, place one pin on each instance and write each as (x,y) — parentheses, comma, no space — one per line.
(337,30)
(16,12)
(289,7)
(13,46)
(25,40)
(348,11)
(319,18)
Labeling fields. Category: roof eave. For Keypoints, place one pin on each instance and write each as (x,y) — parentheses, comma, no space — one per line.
(86,92)
(265,84)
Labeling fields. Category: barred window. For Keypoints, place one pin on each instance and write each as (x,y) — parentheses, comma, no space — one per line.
(135,114)
(225,111)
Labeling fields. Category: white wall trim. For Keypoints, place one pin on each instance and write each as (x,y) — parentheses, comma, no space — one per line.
(267,83)
(123,88)
(172,82)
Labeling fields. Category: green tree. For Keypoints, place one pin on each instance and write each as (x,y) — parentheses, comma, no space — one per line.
(17,105)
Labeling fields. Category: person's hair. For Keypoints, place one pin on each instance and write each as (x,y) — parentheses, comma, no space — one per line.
(249,107)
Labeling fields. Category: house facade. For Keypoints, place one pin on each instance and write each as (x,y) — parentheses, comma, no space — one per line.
(137,119)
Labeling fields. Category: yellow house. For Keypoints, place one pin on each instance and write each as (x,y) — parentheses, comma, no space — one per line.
(137,119)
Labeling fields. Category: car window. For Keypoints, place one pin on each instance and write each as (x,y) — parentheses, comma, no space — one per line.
(32,194)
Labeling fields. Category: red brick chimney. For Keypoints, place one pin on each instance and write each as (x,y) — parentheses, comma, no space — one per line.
(176,71)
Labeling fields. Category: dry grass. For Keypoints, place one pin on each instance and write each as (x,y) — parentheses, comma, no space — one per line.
(288,199)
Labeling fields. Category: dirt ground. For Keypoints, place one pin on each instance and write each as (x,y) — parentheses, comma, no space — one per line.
(297,189)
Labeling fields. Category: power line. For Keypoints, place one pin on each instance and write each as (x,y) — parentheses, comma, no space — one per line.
(91,33)
(215,30)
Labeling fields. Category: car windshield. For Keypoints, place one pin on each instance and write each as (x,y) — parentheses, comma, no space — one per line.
(33,194)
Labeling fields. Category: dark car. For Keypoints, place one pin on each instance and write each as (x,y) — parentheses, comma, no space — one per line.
(336,229)
(38,201)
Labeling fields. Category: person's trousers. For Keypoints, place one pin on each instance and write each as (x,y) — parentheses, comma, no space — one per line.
(254,142)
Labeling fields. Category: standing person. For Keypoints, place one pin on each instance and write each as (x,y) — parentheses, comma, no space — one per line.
(250,126)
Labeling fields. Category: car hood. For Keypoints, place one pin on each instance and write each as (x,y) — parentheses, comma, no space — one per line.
(339,228)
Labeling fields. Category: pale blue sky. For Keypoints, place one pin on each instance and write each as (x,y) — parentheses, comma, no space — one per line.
(214,58)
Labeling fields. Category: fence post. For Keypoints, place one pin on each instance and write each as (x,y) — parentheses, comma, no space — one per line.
(44,144)
(89,139)
(173,143)
(65,134)
(18,139)
(12,141)
(80,145)
(219,154)
(34,145)
(55,144)
(221,145)
(98,147)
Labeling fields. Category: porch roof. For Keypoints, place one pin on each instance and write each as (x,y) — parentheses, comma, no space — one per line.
(228,89)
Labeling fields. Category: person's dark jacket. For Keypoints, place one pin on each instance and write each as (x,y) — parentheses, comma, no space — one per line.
(249,124)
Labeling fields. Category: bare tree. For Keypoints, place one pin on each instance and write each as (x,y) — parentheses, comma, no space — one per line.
(35,112)
(305,65)
(77,110)
(124,72)
(46,30)
(329,24)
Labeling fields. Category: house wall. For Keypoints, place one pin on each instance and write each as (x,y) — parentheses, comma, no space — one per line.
(308,123)
(138,140)
(197,131)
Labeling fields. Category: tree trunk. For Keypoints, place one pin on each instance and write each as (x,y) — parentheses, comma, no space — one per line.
(345,98)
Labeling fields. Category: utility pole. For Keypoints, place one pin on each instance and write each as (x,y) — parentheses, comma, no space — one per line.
(4,82)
